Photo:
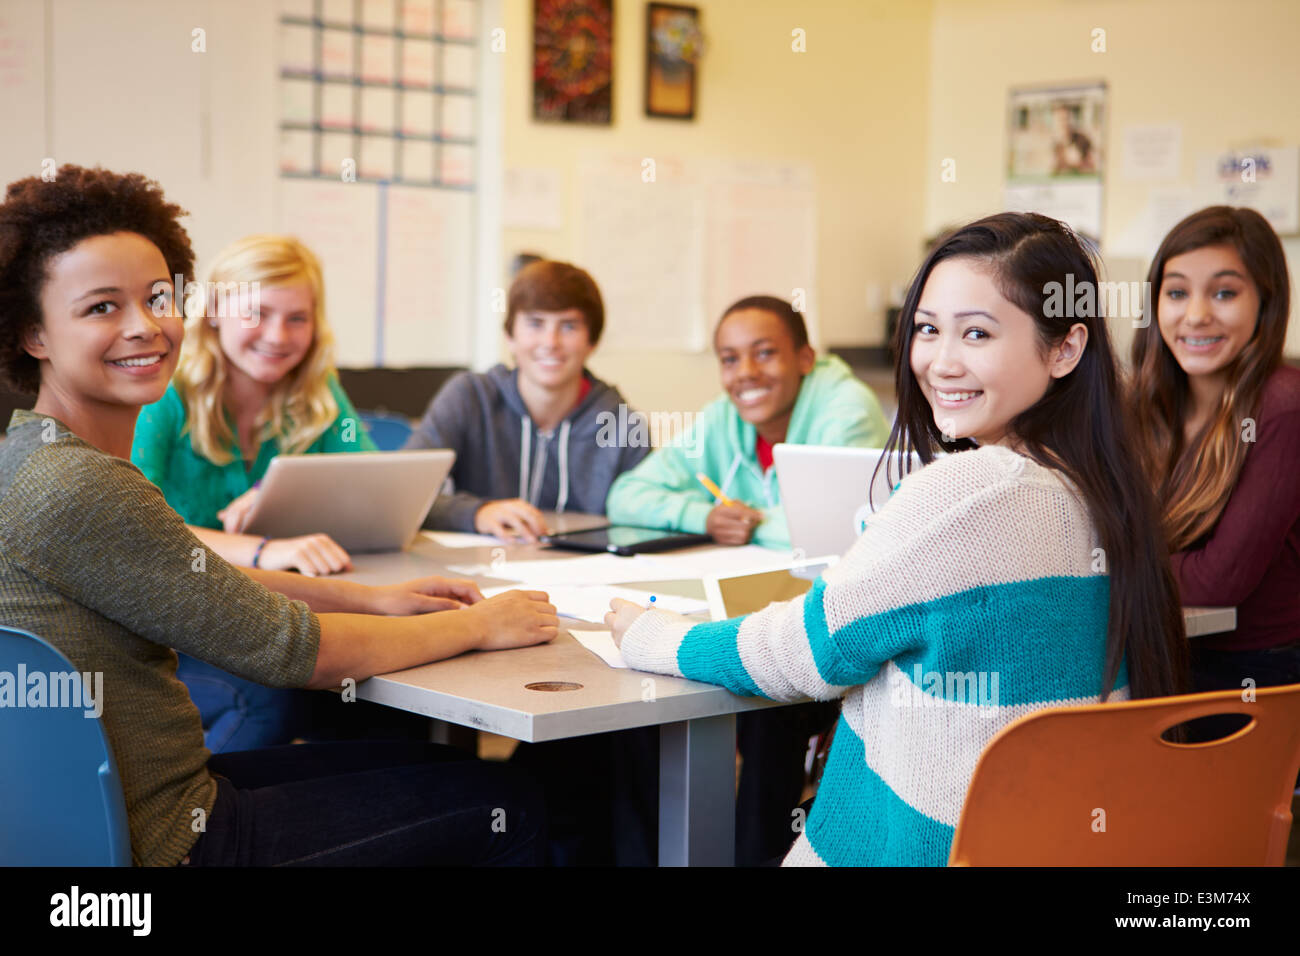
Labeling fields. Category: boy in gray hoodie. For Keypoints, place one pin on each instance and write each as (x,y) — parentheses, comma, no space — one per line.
(527,439)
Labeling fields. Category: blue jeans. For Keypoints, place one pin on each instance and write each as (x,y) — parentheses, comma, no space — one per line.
(239,714)
(370,803)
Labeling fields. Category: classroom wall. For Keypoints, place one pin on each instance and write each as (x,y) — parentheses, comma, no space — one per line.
(853,106)
(1225,71)
(127,92)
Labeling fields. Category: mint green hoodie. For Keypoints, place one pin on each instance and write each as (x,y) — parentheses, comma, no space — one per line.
(833,408)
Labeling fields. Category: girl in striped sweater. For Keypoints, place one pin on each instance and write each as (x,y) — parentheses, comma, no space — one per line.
(1022,570)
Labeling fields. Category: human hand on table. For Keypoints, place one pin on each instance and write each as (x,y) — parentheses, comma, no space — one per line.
(510,519)
(423,595)
(514,619)
(312,554)
(235,515)
(732,523)
(623,615)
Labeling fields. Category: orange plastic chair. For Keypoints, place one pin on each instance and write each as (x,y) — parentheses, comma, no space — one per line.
(1098,786)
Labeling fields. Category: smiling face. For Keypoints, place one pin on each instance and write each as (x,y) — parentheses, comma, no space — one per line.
(550,348)
(1208,308)
(282,327)
(109,334)
(977,357)
(761,368)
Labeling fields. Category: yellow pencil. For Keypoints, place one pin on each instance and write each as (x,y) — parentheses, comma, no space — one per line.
(713,489)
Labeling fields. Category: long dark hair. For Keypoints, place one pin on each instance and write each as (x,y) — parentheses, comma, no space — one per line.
(1196,478)
(1079,427)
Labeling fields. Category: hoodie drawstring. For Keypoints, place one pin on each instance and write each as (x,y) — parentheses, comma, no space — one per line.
(525,455)
(731,472)
(564,467)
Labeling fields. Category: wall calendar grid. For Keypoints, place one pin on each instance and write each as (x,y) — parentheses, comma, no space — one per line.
(379,91)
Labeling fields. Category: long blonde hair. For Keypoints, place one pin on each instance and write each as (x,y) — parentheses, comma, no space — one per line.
(301,405)
(1195,478)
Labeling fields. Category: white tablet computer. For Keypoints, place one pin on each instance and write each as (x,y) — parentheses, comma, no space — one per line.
(827,493)
(366,501)
(744,592)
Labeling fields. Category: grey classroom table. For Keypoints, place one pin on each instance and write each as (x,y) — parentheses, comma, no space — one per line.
(561,689)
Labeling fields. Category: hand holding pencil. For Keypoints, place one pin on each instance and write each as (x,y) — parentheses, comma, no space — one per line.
(730,522)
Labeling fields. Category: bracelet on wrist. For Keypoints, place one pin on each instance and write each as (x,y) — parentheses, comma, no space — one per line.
(257,555)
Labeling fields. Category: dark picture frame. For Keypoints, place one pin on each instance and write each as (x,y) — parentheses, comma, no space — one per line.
(672,49)
(573,61)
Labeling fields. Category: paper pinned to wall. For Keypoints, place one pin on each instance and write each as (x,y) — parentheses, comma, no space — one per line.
(532,198)
(1152,151)
(673,244)
(427,307)
(762,237)
(643,242)
(1264,178)
(337,221)
(1164,207)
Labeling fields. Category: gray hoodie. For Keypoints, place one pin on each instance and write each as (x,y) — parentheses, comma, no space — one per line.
(500,453)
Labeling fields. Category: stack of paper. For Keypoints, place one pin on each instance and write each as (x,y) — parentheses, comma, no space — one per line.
(591,602)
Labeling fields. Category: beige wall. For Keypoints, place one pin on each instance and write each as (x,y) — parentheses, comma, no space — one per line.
(853,106)
(1225,70)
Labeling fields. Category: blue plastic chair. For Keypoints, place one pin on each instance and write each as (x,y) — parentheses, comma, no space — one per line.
(61,800)
(388,431)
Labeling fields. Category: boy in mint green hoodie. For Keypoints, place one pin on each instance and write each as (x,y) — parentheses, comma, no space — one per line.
(777,390)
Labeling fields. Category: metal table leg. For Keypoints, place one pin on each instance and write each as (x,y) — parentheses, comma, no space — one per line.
(697,792)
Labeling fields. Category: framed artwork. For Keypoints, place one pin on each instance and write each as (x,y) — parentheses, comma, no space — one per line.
(573,60)
(672,52)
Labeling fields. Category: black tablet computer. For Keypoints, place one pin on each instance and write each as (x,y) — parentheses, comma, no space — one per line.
(623,540)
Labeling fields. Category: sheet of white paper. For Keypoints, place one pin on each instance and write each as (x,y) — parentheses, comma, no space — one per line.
(337,221)
(1152,151)
(297,48)
(591,602)
(643,240)
(590,569)
(417,16)
(378,58)
(458,539)
(533,198)
(601,643)
(699,563)
(427,294)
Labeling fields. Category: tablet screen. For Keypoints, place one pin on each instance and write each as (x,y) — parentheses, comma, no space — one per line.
(601,539)
(747,593)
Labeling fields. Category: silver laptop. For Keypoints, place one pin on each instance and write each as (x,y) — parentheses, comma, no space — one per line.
(366,501)
(827,493)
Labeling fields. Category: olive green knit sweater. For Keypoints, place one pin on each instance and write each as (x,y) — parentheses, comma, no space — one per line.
(93,561)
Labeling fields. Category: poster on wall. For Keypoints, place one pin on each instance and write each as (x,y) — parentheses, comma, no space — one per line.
(1056,154)
(1265,179)
(573,60)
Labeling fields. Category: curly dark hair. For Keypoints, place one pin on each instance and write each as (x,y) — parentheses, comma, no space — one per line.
(40,220)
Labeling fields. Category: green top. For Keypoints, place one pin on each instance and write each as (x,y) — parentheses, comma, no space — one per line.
(93,561)
(833,408)
(195,487)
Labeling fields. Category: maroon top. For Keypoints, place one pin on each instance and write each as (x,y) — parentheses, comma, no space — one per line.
(1251,560)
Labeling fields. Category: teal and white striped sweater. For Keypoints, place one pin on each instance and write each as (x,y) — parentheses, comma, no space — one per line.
(976,595)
